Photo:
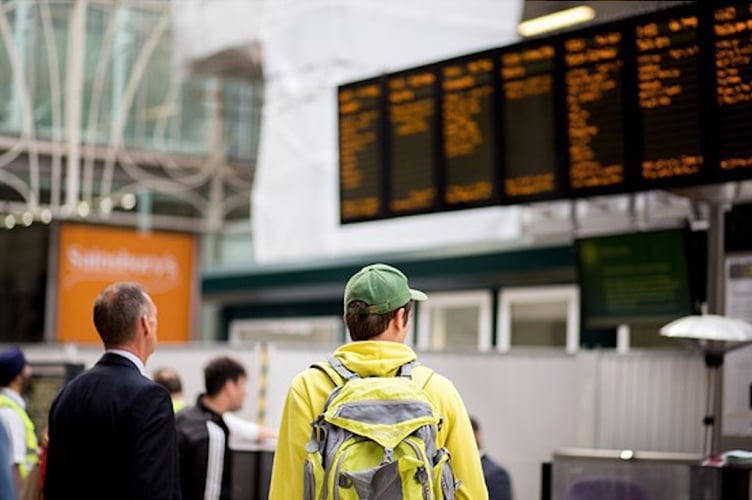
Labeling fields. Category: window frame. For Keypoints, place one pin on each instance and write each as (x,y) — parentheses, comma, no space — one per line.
(538,294)
(238,328)
(483,299)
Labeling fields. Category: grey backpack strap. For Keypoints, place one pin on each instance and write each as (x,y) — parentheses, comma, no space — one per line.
(341,369)
(406,370)
(329,371)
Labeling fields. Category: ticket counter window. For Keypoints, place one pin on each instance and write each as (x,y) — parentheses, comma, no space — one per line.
(459,321)
(539,317)
(539,325)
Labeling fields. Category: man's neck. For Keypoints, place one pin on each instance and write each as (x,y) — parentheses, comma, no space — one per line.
(215,404)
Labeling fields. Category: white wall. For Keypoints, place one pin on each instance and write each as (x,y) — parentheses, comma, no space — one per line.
(529,403)
(310,47)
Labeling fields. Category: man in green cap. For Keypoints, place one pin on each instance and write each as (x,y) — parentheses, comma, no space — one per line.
(377,306)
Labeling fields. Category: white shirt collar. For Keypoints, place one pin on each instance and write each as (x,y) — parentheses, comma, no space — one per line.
(6,391)
(131,357)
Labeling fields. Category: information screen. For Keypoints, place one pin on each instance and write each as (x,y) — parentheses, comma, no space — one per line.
(667,51)
(530,154)
(655,101)
(468,130)
(595,113)
(360,150)
(733,69)
(633,278)
(413,141)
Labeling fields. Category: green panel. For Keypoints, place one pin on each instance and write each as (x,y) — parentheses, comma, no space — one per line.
(97,103)
(629,278)
(47,42)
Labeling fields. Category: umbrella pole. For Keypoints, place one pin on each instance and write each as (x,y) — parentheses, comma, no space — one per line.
(713,362)
(716,305)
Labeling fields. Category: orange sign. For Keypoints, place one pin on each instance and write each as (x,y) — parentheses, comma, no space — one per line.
(92,257)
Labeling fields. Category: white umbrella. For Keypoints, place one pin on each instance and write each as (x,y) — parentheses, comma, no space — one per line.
(713,335)
(709,327)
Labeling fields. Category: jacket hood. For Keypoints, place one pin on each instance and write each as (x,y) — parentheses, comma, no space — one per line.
(370,358)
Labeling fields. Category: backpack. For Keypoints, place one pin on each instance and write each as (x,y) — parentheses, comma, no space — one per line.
(375,439)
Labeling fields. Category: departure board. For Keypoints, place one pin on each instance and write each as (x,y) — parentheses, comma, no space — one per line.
(468,130)
(412,122)
(669,98)
(595,113)
(733,71)
(530,153)
(660,100)
(360,151)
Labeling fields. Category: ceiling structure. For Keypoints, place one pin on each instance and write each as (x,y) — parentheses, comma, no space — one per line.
(96,124)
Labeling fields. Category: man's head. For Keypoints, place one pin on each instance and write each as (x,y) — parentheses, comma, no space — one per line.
(476,429)
(15,372)
(125,315)
(374,297)
(225,383)
(170,380)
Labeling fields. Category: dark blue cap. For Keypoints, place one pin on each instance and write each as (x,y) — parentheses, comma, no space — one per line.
(12,361)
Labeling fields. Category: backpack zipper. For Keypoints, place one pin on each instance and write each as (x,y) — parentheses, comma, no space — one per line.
(421,475)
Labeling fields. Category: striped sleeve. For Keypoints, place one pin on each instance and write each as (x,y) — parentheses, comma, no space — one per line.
(215,463)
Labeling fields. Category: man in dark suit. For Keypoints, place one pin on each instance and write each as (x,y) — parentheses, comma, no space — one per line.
(497,479)
(111,429)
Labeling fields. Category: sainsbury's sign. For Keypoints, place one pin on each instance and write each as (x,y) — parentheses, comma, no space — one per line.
(92,257)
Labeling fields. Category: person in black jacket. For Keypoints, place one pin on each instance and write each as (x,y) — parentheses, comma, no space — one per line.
(205,458)
(111,429)
(497,479)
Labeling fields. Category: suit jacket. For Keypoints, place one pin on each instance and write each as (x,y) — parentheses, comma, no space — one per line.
(497,480)
(112,435)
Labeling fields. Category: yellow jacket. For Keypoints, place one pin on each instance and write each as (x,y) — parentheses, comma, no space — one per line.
(310,389)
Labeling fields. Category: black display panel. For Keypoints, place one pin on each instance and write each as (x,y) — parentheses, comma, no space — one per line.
(595,113)
(412,141)
(360,150)
(656,101)
(634,278)
(733,76)
(668,98)
(530,152)
(468,131)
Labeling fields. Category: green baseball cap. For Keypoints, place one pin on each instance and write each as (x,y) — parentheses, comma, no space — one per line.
(384,288)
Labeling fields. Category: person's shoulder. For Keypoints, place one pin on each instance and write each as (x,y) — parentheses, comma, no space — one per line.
(314,373)
(190,422)
(434,379)
(441,389)
(8,414)
(190,412)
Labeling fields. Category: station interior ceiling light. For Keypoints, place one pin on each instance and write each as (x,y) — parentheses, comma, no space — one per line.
(541,17)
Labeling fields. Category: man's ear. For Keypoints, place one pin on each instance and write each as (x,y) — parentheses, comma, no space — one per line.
(400,318)
(145,324)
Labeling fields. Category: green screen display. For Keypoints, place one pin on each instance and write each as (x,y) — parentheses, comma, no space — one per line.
(634,278)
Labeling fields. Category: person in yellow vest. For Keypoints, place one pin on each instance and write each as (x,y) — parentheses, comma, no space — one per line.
(15,379)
